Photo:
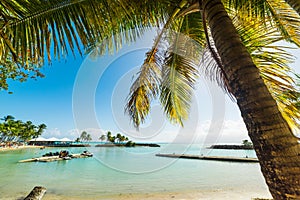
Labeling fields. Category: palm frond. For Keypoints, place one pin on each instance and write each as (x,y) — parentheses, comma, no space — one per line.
(272,59)
(277,12)
(146,87)
(179,75)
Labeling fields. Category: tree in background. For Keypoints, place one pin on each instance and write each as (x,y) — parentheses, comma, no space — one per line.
(119,138)
(88,138)
(19,131)
(109,136)
(247,143)
(83,136)
(102,138)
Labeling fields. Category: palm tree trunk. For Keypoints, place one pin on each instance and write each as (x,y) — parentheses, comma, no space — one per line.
(295,4)
(276,147)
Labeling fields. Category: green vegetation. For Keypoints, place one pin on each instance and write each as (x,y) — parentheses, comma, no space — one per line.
(119,139)
(84,137)
(238,41)
(247,143)
(12,130)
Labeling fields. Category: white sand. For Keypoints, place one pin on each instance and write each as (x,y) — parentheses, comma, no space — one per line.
(184,195)
(18,147)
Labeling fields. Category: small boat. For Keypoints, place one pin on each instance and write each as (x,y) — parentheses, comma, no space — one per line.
(67,158)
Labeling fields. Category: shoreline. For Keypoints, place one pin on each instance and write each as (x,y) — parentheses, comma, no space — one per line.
(13,148)
(215,194)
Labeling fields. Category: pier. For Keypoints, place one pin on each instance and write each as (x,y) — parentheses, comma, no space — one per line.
(216,158)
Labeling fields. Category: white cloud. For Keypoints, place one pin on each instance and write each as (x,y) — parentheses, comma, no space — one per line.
(52,133)
(227,131)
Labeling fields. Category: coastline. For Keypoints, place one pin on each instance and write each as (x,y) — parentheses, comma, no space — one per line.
(13,148)
(214,194)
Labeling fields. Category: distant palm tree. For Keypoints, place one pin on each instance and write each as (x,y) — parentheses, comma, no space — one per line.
(102,137)
(83,136)
(109,136)
(118,137)
(7,118)
(88,137)
(77,139)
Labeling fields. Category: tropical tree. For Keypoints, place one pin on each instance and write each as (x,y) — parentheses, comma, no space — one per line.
(297,94)
(17,130)
(83,136)
(118,137)
(247,143)
(102,137)
(88,137)
(275,144)
(252,75)
(109,136)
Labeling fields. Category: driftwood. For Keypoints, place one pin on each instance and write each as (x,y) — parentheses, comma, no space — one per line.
(37,193)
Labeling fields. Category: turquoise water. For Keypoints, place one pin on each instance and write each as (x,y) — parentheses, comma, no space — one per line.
(114,171)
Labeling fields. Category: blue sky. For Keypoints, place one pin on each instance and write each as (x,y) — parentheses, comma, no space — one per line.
(89,94)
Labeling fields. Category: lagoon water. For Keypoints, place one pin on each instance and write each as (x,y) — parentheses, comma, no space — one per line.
(120,171)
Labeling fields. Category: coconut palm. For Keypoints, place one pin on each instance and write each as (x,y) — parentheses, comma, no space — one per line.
(273,140)
(7,118)
(88,137)
(102,137)
(108,136)
(263,116)
(83,136)
(118,137)
(170,69)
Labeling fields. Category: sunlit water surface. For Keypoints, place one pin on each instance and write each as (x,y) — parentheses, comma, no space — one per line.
(114,171)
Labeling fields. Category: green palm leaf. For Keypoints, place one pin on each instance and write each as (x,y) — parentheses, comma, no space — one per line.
(277,12)
(147,85)
(179,75)
(273,61)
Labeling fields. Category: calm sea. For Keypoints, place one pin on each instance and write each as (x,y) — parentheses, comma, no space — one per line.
(114,171)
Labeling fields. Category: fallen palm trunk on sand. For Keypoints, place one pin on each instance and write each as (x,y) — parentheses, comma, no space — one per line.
(37,193)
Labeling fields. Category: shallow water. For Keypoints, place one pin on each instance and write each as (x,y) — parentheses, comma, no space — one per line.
(115,171)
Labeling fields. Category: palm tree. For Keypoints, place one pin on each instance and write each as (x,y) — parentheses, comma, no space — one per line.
(83,136)
(118,137)
(108,136)
(7,118)
(40,130)
(171,76)
(102,137)
(88,137)
(273,140)
(77,140)
(295,4)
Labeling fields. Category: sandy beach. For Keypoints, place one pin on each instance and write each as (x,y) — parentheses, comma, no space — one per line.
(12,148)
(182,195)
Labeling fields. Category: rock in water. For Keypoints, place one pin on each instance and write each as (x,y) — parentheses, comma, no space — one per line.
(37,193)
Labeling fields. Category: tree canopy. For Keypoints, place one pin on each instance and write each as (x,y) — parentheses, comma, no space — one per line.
(19,131)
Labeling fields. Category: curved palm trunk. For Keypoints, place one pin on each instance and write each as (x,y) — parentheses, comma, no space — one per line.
(295,4)
(275,145)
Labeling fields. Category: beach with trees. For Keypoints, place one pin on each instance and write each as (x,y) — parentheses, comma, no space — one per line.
(240,45)
(16,133)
